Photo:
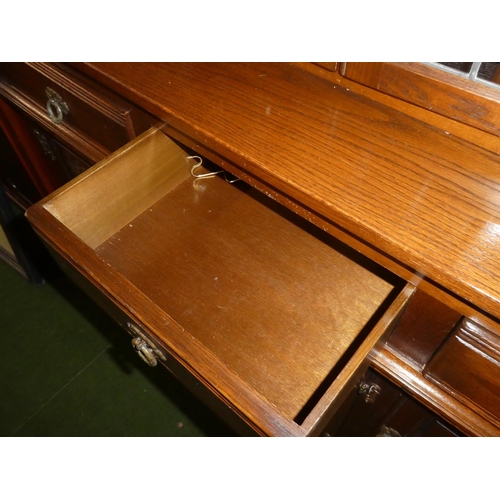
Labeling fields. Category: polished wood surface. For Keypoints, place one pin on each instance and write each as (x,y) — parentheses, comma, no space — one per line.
(481,138)
(424,197)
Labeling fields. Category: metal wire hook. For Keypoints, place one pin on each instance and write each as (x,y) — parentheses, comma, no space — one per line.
(209,174)
(200,162)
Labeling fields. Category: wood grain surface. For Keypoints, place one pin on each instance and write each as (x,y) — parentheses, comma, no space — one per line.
(278,304)
(417,193)
(121,187)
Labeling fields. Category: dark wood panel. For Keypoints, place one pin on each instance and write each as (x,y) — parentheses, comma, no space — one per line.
(26,172)
(424,324)
(468,366)
(386,412)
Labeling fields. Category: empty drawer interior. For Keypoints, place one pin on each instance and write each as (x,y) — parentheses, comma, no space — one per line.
(278,301)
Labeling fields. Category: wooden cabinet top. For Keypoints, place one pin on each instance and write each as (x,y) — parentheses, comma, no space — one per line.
(417,195)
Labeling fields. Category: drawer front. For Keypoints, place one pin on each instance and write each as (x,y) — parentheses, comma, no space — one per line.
(84,115)
(164,358)
(468,367)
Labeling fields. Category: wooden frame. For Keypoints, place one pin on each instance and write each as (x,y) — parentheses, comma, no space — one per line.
(433,89)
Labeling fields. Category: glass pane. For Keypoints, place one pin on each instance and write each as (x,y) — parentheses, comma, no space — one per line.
(489,71)
(463,67)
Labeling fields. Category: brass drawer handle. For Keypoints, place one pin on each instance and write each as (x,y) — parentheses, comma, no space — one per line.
(369,391)
(56,107)
(145,352)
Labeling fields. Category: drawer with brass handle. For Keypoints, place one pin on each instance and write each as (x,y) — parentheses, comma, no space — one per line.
(269,314)
(71,107)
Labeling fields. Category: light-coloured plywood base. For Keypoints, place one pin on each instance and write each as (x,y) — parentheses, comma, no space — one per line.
(275,303)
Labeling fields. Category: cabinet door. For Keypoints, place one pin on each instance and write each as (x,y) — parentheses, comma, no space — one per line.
(467,366)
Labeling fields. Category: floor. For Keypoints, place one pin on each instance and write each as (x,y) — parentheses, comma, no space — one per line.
(66,369)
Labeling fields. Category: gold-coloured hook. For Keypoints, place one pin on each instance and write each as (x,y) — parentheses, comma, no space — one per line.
(209,174)
(200,162)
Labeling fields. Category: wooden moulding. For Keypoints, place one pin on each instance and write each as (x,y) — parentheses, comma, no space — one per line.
(467,366)
(271,313)
(471,421)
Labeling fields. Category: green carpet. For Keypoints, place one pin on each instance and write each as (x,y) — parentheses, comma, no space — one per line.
(66,369)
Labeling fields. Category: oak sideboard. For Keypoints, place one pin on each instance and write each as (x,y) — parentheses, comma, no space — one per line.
(311,248)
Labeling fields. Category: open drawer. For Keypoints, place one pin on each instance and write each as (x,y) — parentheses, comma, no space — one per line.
(274,317)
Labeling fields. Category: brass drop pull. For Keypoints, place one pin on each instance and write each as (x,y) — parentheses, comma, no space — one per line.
(147,351)
(370,391)
(56,107)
